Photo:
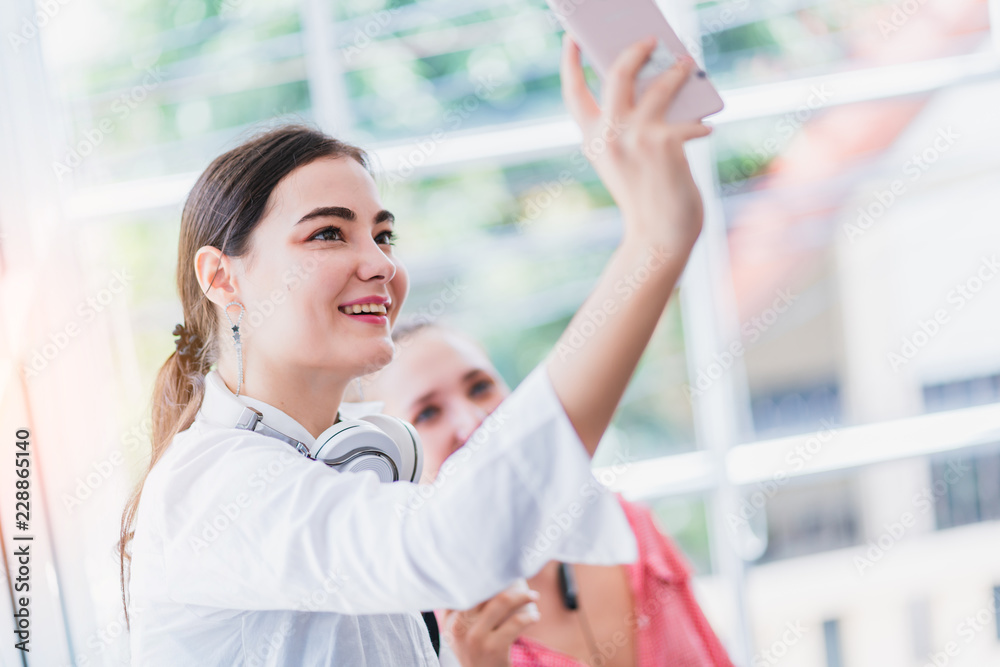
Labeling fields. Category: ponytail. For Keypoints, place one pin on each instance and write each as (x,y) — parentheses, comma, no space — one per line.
(180,389)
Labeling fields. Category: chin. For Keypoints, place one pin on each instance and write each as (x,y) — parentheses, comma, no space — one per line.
(376,357)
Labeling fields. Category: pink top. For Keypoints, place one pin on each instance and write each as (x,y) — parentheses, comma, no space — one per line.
(670,627)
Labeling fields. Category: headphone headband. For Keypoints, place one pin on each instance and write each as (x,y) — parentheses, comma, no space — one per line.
(252,419)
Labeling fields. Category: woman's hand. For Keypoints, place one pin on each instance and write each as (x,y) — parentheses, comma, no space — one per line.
(481,636)
(640,158)
(637,154)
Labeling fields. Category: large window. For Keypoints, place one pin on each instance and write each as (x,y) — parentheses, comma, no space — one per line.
(818,408)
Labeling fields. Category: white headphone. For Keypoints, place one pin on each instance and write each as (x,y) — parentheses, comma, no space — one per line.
(388,446)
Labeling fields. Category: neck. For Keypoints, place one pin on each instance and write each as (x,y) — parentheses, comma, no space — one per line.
(309,396)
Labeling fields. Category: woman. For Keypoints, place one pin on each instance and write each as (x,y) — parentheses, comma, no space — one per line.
(242,551)
(640,615)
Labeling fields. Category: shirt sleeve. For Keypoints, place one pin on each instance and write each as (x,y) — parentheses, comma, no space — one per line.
(247,523)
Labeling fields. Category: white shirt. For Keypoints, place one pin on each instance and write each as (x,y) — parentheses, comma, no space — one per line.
(248,553)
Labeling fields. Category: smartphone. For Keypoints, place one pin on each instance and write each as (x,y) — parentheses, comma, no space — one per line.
(605,28)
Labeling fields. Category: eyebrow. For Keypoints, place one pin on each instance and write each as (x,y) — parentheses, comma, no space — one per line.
(344,213)
(465,378)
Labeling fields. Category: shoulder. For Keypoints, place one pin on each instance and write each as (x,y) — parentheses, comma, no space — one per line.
(204,465)
(204,450)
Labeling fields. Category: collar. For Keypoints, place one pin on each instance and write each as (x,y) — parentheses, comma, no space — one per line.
(222,407)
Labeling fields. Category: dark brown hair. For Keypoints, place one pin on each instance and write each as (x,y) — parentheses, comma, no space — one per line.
(223,209)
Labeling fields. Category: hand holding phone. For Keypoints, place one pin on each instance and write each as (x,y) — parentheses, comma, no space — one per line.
(605,28)
(639,155)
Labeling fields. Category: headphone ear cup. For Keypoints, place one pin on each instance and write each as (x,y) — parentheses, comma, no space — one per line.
(407,440)
(355,445)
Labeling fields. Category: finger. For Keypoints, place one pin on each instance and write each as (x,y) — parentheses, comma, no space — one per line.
(688,131)
(458,623)
(512,628)
(671,138)
(450,623)
(502,606)
(619,90)
(662,91)
(575,92)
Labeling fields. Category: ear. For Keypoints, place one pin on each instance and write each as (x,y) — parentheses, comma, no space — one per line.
(216,275)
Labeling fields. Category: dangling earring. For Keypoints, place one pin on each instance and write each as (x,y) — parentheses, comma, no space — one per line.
(361,392)
(237,342)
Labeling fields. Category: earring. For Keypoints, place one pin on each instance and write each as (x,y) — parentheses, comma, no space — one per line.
(361,392)
(237,342)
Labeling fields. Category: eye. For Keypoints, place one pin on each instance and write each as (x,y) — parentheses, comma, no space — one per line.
(328,234)
(427,413)
(481,387)
(388,236)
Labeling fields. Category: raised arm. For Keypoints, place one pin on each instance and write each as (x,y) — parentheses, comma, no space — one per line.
(640,158)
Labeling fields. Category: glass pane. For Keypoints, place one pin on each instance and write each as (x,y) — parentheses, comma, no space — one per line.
(764,41)
(684,521)
(810,517)
(150,89)
(862,550)
(859,244)
(413,68)
(525,253)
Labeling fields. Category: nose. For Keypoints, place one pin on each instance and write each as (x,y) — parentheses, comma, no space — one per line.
(374,264)
(465,420)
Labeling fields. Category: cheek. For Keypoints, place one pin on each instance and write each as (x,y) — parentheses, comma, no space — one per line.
(332,277)
(435,444)
(301,319)
(493,401)
(399,287)
(264,306)
(320,296)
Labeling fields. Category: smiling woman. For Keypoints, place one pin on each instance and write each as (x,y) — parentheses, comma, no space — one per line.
(241,550)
